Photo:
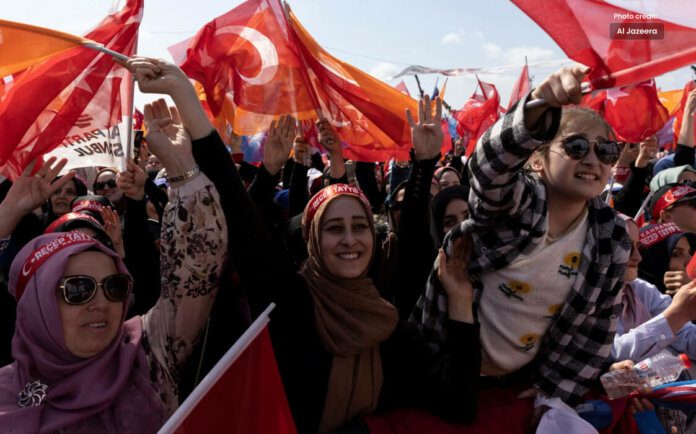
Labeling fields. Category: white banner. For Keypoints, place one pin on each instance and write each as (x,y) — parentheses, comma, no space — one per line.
(95,148)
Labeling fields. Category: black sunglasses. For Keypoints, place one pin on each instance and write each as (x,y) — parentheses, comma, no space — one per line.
(101,185)
(577,147)
(81,289)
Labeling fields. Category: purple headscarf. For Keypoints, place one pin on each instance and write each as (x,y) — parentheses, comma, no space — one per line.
(110,390)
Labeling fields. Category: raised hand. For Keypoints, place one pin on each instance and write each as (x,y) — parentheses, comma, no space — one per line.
(646,152)
(167,138)
(328,137)
(29,192)
(156,75)
(426,135)
(563,87)
(112,227)
(454,277)
(690,107)
(281,135)
(132,181)
(674,280)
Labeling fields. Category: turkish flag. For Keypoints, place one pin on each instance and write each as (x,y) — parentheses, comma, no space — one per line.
(589,31)
(255,65)
(678,112)
(401,86)
(521,88)
(634,112)
(73,92)
(478,114)
(242,394)
(246,60)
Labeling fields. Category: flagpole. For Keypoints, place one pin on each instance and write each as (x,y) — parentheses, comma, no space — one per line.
(103,49)
(129,119)
(529,76)
(420,89)
(643,206)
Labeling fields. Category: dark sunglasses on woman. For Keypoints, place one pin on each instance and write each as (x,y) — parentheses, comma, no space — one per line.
(101,185)
(81,289)
(578,146)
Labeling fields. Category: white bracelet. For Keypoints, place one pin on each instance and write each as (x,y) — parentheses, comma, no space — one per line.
(187,175)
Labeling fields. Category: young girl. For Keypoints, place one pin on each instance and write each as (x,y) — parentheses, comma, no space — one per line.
(548,255)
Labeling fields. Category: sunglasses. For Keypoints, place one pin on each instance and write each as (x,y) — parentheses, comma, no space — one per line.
(81,289)
(577,147)
(101,185)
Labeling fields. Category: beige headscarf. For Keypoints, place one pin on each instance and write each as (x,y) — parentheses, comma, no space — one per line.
(351,319)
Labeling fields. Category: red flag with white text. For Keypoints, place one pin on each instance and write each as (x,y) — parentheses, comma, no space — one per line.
(624,41)
(242,394)
(71,93)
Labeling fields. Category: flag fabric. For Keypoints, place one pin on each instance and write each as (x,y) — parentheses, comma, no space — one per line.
(262,63)
(634,112)
(596,33)
(242,394)
(478,114)
(24,45)
(67,88)
(671,98)
(436,91)
(521,87)
(678,112)
(401,86)
(138,119)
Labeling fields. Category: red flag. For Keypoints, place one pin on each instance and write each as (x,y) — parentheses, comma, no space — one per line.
(634,112)
(47,102)
(678,113)
(255,64)
(402,87)
(242,394)
(478,114)
(588,32)
(521,87)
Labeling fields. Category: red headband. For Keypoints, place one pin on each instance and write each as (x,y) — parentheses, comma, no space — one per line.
(656,233)
(91,205)
(71,216)
(329,193)
(671,196)
(44,253)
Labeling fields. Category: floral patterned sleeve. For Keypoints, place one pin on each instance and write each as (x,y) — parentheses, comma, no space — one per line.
(193,251)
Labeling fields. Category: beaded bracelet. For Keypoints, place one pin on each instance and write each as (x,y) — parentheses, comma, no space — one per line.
(187,175)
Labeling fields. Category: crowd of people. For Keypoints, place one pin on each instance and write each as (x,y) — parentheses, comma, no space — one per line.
(447,287)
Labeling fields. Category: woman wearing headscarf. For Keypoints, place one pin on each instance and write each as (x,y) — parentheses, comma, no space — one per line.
(450,207)
(342,350)
(666,251)
(79,366)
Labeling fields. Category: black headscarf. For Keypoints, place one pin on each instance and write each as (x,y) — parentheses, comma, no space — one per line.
(655,262)
(440,202)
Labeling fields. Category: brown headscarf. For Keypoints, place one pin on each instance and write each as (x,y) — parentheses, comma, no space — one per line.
(351,319)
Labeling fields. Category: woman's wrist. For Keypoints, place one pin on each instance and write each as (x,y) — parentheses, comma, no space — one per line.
(460,308)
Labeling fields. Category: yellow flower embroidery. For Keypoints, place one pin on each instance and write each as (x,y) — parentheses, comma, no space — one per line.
(553,310)
(515,289)
(528,341)
(571,263)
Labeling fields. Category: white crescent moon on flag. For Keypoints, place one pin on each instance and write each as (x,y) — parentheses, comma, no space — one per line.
(266,49)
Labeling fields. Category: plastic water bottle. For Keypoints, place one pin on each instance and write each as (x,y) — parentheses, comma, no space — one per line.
(659,369)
